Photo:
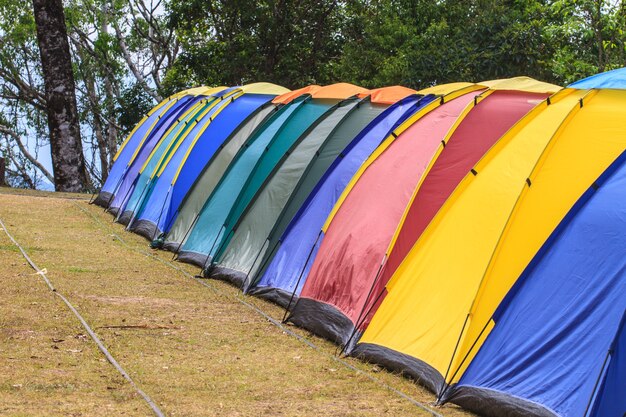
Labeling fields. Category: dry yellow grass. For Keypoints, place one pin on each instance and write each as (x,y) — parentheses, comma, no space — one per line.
(195,350)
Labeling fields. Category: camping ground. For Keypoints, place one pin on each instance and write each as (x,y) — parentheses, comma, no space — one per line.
(195,346)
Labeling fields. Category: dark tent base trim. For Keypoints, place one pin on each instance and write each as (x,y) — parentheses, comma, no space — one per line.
(420,371)
(235,277)
(146,228)
(275,295)
(125,217)
(491,403)
(103,199)
(322,319)
(170,245)
(194,258)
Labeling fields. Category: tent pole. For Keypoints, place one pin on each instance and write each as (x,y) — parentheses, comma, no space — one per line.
(139,202)
(161,213)
(609,353)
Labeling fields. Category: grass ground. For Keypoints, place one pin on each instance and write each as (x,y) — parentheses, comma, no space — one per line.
(197,350)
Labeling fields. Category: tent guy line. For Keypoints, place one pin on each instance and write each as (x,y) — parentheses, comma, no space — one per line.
(278,324)
(155,408)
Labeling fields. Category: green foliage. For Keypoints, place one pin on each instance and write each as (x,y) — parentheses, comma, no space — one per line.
(289,42)
(132,105)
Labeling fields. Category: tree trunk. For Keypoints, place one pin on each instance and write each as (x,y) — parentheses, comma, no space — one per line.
(68,161)
(3,181)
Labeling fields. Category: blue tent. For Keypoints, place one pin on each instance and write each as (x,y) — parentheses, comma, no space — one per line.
(552,334)
(153,121)
(125,183)
(299,243)
(170,186)
(609,79)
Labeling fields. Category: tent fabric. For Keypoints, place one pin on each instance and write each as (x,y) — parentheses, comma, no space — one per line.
(299,243)
(264,88)
(228,172)
(280,198)
(286,98)
(190,204)
(443,89)
(161,154)
(245,175)
(166,124)
(553,334)
(615,79)
(440,299)
(389,95)
(338,91)
(132,145)
(153,120)
(486,121)
(361,227)
(526,84)
(188,162)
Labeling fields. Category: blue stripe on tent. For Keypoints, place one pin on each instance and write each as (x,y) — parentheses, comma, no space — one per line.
(615,79)
(554,328)
(118,168)
(302,238)
(122,191)
(163,203)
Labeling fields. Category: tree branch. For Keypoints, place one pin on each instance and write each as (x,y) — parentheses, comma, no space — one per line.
(10,132)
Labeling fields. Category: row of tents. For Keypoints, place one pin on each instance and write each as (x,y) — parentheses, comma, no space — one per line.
(470,236)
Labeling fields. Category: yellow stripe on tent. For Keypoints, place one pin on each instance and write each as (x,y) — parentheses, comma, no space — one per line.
(225,100)
(199,134)
(465,89)
(443,89)
(174,98)
(170,153)
(189,124)
(175,128)
(527,84)
(175,144)
(431,292)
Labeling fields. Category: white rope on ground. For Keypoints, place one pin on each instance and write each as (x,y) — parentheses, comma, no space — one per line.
(275,322)
(157,411)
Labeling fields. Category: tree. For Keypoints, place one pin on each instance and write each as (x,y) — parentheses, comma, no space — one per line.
(68,160)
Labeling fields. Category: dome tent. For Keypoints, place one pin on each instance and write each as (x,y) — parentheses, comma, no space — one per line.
(555,338)
(188,203)
(158,143)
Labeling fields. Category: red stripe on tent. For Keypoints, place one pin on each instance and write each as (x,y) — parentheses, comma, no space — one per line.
(478,132)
